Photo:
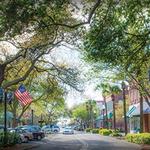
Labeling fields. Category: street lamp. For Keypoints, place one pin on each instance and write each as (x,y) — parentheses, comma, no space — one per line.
(114,112)
(32,116)
(103,110)
(124,107)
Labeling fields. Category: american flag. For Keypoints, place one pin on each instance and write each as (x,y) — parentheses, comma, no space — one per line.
(23,96)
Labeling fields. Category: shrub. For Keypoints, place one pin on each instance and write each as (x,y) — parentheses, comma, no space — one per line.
(142,138)
(88,129)
(105,132)
(115,133)
(12,138)
(95,131)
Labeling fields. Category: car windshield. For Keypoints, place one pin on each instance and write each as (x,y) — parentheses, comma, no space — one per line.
(68,128)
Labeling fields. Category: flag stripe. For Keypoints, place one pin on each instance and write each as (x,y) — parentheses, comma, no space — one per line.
(23,96)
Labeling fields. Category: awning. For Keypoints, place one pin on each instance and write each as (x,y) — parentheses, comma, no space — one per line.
(131,110)
(136,110)
(110,115)
(147,110)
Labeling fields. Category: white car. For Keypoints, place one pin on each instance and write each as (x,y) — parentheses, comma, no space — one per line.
(50,129)
(68,130)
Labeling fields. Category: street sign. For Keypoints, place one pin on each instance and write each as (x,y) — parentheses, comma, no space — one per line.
(1,94)
(9,97)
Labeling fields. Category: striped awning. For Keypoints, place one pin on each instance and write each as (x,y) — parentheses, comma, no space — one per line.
(131,110)
(147,110)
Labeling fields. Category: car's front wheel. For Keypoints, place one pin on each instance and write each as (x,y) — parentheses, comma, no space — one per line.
(39,137)
(55,131)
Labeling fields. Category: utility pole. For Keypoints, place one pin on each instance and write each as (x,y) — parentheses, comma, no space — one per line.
(124,108)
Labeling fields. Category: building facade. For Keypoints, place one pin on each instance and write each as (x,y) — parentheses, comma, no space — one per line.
(134,111)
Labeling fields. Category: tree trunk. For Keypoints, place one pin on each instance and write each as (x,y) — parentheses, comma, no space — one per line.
(14,121)
(114,118)
(105,103)
(124,108)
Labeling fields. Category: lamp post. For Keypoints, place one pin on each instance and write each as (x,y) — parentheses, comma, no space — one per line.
(103,109)
(124,107)
(114,112)
(32,116)
(5,117)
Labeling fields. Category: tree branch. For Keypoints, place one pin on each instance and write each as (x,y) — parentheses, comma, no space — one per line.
(97,4)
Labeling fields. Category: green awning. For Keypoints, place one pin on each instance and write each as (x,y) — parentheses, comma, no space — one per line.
(110,115)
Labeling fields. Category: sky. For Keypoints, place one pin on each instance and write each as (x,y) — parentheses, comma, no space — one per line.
(72,57)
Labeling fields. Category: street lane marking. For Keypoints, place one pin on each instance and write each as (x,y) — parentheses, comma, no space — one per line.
(84,144)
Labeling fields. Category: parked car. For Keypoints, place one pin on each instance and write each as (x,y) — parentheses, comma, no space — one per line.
(23,138)
(68,130)
(55,128)
(26,133)
(50,128)
(47,129)
(36,132)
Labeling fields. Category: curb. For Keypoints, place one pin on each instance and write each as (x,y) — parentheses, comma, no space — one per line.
(145,147)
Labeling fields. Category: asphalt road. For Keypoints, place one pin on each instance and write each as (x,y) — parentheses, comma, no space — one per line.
(84,142)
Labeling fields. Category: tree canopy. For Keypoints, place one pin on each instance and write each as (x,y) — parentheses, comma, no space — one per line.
(118,38)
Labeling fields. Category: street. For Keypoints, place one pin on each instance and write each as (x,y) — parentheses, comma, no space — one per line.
(83,142)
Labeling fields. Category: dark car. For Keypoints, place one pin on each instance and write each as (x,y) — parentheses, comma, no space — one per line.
(36,131)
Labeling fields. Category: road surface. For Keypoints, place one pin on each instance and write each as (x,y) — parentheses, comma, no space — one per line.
(83,142)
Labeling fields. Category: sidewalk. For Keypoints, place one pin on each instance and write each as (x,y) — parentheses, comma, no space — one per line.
(23,146)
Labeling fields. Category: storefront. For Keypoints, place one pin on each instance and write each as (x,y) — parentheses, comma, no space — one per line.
(134,118)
